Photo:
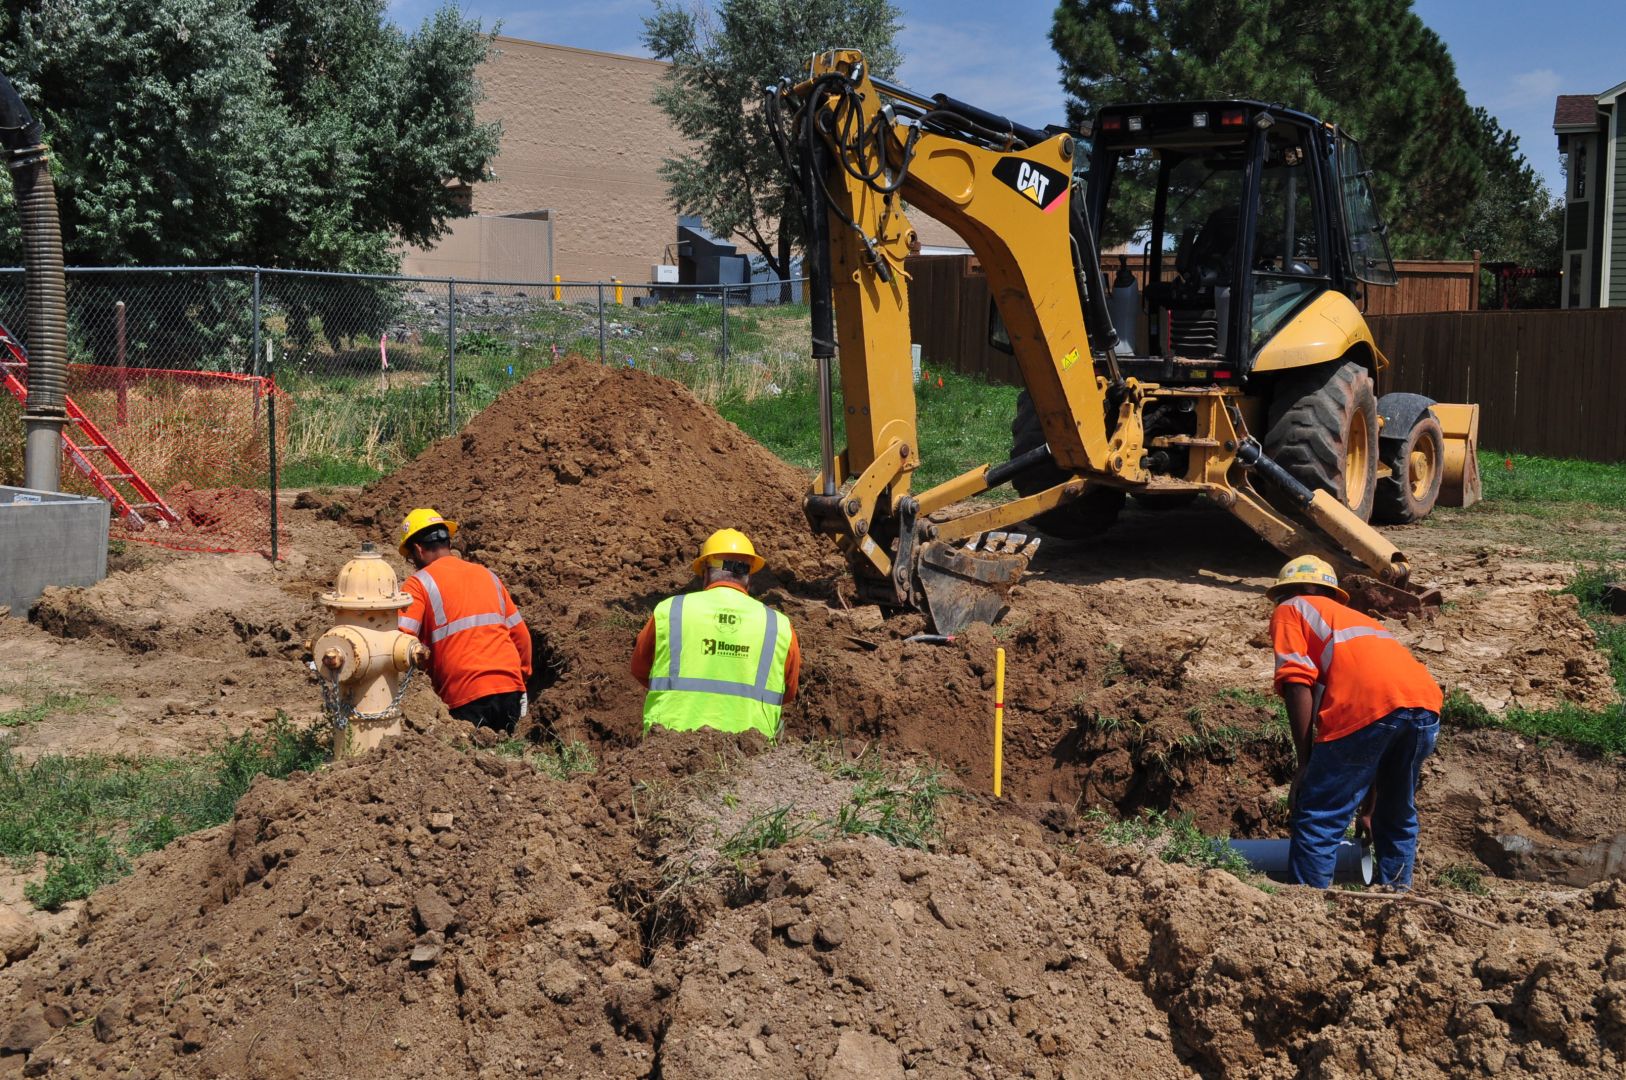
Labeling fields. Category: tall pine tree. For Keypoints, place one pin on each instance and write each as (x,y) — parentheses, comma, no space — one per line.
(1371,66)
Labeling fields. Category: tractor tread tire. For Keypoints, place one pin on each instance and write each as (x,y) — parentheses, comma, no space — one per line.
(1395,503)
(1085,517)
(1310,415)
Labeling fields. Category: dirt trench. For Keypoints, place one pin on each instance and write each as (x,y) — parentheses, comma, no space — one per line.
(548,936)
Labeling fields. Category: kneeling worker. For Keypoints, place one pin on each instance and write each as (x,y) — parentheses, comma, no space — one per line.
(1379,717)
(717,658)
(479,647)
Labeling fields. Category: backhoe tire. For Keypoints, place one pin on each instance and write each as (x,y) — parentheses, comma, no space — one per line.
(1324,431)
(1409,492)
(1085,517)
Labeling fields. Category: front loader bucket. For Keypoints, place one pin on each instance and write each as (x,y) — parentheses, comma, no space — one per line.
(962,586)
(1459,472)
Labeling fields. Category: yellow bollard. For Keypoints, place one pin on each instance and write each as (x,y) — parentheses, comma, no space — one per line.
(999,720)
(617,291)
(558,293)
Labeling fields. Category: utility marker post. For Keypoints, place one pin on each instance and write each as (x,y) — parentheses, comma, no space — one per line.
(999,721)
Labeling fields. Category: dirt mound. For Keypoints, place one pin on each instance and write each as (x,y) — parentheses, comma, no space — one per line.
(425,913)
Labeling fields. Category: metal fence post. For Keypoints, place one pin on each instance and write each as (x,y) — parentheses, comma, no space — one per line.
(601,322)
(451,357)
(254,349)
(271,423)
(725,325)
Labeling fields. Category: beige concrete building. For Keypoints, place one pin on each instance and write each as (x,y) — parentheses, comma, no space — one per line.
(577,185)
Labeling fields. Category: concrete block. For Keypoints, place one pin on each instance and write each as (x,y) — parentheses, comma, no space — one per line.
(49,538)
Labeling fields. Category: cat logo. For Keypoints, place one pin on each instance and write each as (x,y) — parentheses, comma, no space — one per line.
(1044,187)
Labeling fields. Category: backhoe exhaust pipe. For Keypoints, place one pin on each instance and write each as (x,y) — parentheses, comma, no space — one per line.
(47,291)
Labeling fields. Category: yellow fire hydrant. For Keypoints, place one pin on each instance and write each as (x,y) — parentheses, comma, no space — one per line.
(364,662)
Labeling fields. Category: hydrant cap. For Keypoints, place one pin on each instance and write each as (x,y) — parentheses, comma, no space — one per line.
(367,583)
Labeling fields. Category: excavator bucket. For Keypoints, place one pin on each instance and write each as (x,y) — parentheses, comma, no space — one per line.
(1459,479)
(971,584)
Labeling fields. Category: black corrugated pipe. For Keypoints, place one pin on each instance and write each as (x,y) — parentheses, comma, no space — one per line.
(24,147)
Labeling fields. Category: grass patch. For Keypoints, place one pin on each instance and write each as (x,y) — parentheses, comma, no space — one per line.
(560,760)
(1172,839)
(91,816)
(1463,878)
(763,832)
(964,423)
(52,703)
(1602,730)
(1535,483)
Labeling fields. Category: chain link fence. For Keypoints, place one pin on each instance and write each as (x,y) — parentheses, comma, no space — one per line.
(225,385)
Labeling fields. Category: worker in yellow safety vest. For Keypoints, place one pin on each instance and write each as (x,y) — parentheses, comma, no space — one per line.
(716,658)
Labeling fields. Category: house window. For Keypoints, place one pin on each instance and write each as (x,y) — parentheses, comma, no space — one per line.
(1578,170)
(1575,281)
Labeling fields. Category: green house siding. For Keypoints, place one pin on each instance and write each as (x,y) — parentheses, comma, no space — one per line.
(1617,221)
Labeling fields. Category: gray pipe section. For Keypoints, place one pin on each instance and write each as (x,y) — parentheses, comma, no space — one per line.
(47,299)
(1269,857)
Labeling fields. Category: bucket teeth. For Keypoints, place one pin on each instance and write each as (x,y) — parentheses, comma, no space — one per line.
(971,583)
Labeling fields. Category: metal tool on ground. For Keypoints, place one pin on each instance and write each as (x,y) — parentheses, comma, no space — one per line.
(1256,366)
(364,664)
(142,505)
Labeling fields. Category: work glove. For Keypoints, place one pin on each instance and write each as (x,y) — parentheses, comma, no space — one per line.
(524,705)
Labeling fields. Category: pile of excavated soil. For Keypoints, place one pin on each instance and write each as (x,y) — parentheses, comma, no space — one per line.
(435,912)
(1132,681)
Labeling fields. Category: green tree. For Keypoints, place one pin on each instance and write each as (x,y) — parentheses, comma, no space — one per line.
(1370,66)
(721,61)
(306,133)
(1515,218)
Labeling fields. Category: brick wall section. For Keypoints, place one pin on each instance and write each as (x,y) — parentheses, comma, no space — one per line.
(582,137)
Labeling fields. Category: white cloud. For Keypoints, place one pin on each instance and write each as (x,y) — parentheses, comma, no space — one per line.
(1529,88)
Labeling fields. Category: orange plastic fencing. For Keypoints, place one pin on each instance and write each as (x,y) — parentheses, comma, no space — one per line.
(202,439)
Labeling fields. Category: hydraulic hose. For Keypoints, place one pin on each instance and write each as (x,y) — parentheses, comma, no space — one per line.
(47,290)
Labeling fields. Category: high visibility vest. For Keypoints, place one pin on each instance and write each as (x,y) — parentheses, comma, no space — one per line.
(719,663)
(478,642)
(1362,671)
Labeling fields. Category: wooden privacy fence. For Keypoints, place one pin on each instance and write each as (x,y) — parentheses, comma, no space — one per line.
(1546,382)
(948,306)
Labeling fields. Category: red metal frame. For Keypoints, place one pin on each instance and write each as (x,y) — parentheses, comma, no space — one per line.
(13,364)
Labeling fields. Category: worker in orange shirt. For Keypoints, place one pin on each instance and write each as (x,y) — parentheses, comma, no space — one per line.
(717,658)
(1373,713)
(479,647)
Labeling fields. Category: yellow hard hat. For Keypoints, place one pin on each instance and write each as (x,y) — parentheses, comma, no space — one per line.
(416,522)
(1307,570)
(724,543)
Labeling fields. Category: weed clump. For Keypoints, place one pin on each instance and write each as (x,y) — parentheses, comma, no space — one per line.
(91,816)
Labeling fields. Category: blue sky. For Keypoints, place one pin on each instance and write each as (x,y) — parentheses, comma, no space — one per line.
(1513,56)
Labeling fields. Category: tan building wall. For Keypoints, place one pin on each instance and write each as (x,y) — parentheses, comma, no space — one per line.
(583,139)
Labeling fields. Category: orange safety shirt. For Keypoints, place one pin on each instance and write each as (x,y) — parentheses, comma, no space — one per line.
(643,651)
(1364,673)
(478,643)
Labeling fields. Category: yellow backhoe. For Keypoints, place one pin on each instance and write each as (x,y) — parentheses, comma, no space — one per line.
(1244,360)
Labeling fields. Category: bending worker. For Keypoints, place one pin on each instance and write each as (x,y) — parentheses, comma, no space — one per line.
(1373,712)
(717,658)
(479,647)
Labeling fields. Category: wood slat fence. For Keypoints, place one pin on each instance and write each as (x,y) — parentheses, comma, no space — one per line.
(1547,382)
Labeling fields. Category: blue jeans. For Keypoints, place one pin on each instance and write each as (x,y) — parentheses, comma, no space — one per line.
(1388,753)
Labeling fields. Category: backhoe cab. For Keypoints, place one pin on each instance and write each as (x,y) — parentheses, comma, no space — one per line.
(1244,359)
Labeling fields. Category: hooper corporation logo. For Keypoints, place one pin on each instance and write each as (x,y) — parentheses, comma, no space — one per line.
(713,647)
